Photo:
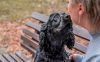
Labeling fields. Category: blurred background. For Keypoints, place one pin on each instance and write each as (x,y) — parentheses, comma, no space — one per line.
(13,15)
(19,9)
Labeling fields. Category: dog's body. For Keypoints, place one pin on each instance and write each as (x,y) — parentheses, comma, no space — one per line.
(54,34)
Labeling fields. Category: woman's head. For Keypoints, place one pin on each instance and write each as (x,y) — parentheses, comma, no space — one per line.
(85,11)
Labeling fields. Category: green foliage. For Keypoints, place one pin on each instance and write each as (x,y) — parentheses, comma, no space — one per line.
(18,9)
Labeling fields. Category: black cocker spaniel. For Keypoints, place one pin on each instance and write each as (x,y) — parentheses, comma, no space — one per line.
(54,34)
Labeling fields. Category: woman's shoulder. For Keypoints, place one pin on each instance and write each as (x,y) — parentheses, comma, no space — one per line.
(94,58)
(93,50)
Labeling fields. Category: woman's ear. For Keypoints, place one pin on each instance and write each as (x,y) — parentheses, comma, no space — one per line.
(81,9)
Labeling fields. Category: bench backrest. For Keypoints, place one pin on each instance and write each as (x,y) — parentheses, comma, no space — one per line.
(30,40)
(78,30)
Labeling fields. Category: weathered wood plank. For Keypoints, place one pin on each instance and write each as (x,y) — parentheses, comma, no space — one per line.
(2,59)
(31,34)
(17,59)
(40,17)
(34,26)
(34,44)
(27,47)
(80,47)
(8,58)
(22,57)
(81,32)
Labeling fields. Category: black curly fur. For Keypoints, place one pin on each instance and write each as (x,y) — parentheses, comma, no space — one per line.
(54,34)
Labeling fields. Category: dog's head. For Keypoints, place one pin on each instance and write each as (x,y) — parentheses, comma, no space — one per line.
(57,32)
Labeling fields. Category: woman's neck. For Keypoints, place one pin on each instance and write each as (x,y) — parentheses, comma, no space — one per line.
(87,25)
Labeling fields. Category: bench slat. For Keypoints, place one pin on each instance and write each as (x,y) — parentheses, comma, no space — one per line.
(34,26)
(2,59)
(22,57)
(40,17)
(34,44)
(17,59)
(79,31)
(30,49)
(31,34)
(8,57)
(80,47)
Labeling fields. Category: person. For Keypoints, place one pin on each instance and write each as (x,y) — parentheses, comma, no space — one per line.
(86,13)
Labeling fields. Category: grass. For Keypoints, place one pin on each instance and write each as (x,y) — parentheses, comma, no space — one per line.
(19,9)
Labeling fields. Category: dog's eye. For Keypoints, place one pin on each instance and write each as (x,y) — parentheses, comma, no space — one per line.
(56,21)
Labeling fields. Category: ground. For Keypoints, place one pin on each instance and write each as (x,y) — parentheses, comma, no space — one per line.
(10,37)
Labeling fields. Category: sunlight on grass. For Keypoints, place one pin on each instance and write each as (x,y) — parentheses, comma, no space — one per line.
(19,9)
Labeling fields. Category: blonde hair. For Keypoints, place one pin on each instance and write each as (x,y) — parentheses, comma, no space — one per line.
(93,10)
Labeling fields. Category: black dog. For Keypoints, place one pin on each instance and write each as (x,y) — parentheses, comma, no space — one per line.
(54,34)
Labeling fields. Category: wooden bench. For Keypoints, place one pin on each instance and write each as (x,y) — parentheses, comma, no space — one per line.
(17,57)
(30,39)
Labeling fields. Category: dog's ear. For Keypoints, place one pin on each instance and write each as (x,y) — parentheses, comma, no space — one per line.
(70,40)
(69,36)
(43,27)
(42,35)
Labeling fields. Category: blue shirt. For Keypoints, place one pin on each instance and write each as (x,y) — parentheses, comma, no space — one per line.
(93,50)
